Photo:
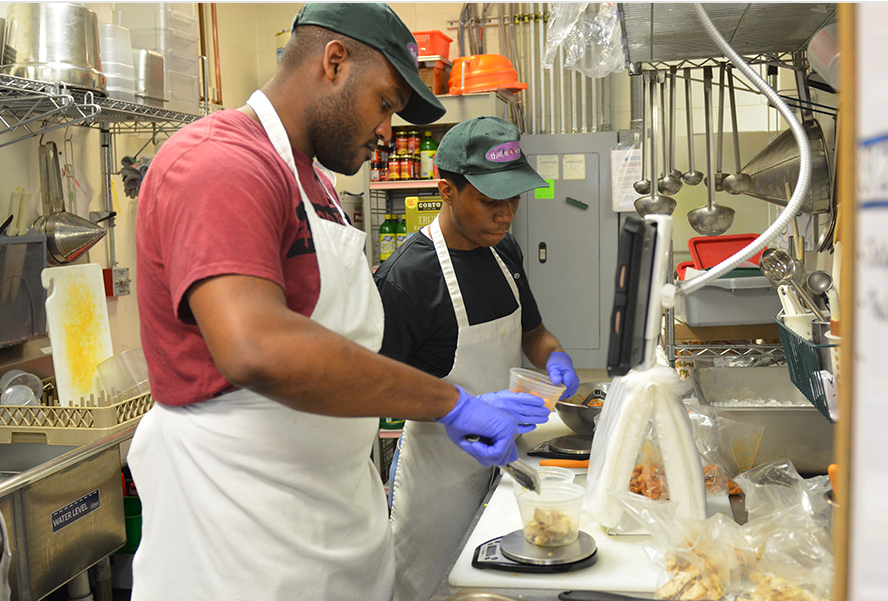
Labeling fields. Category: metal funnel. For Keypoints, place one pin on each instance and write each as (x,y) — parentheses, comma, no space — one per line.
(67,235)
(779,162)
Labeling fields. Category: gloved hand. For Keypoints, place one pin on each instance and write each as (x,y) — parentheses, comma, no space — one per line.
(475,418)
(561,371)
(132,173)
(527,409)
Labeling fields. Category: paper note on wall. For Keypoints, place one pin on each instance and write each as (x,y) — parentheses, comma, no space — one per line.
(574,166)
(625,171)
(547,166)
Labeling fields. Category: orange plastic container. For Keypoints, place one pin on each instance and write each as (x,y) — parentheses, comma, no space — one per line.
(483,73)
(432,43)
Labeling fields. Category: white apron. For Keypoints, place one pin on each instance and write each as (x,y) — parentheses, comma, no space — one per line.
(246,499)
(438,487)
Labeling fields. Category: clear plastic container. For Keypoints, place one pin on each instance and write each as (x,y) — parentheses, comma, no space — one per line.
(526,380)
(182,84)
(552,517)
(162,40)
(115,45)
(162,15)
(124,375)
(112,69)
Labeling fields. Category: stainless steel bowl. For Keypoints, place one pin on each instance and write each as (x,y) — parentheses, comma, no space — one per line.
(54,42)
(575,412)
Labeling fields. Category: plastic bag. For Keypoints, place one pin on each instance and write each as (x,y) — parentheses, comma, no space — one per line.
(636,403)
(727,446)
(591,36)
(703,559)
(784,553)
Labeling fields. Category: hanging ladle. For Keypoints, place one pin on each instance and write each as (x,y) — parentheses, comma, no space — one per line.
(776,265)
(655,203)
(737,182)
(710,219)
(719,175)
(691,177)
(643,186)
(670,182)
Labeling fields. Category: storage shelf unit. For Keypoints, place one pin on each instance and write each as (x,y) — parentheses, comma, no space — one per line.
(379,197)
(31,108)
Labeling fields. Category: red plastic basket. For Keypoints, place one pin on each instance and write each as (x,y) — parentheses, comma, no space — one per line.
(432,43)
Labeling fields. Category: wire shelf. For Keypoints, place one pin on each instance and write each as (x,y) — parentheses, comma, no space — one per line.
(32,108)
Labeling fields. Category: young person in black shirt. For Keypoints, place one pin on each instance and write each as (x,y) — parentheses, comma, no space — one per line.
(458,305)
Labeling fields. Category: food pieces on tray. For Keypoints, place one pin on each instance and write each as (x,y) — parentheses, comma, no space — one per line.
(550,528)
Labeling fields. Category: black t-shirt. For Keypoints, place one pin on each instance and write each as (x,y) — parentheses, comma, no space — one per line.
(420,323)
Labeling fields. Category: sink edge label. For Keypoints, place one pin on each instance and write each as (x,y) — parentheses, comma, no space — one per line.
(72,512)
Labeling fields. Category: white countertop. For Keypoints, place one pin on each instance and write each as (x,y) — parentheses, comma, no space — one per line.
(622,566)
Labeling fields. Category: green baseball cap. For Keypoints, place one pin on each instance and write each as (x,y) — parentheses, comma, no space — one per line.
(379,27)
(486,151)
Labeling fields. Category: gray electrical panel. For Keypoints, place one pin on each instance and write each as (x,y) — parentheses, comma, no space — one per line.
(570,240)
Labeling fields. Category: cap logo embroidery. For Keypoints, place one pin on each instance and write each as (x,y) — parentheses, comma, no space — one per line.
(510,151)
(414,52)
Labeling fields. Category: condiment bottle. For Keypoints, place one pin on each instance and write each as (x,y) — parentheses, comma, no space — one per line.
(427,150)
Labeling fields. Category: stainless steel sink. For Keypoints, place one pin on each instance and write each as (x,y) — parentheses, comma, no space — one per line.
(798,432)
(63,507)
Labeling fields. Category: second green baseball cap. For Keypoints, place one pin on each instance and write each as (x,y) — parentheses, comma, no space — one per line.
(379,27)
(487,152)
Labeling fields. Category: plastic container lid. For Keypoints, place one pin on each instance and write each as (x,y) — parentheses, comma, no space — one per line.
(483,73)
(709,251)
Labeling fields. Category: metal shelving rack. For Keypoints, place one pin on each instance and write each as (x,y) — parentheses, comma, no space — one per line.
(32,108)
(660,36)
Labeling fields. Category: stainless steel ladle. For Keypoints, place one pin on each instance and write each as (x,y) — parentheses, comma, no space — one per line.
(737,182)
(670,182)
(719,175)
(710,219)
(691,177)
(776,265)
(655,203)
(643,186)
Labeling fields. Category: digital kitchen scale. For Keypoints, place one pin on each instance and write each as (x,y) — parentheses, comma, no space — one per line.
(512,553)
(572,446)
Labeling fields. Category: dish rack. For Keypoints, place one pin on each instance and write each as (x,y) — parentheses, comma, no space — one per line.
(50,423)
(803,361)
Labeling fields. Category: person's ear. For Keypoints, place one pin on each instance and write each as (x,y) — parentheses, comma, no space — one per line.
(334,60)
(447,190)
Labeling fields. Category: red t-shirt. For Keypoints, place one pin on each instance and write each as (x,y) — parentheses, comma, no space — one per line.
(217,199)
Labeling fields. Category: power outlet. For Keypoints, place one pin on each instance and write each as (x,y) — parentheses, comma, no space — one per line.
(117,281)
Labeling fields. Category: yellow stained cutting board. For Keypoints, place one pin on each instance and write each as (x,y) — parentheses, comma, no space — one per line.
(77,324)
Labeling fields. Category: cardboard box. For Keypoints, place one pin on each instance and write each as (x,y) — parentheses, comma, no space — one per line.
(420,211)
(435,76)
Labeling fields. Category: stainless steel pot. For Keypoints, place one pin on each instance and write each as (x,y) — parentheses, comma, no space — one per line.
(55,42)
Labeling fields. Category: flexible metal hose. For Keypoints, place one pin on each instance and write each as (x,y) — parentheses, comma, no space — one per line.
(801,187)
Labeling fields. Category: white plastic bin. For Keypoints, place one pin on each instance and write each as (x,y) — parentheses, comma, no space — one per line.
(730,302)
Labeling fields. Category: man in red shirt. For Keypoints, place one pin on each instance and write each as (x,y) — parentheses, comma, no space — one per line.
(260,323)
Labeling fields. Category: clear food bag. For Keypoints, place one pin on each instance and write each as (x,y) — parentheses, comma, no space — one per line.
(590,35)
(783,553)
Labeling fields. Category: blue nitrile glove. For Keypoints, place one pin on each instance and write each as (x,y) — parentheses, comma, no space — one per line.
(527,409)
(472,417)
(561,371)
